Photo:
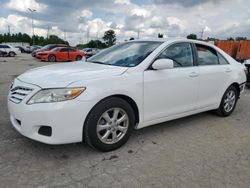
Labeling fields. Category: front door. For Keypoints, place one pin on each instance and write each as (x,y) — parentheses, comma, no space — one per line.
(171,91)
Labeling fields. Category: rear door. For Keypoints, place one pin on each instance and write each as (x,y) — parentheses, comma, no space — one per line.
(214,75)
(72,54)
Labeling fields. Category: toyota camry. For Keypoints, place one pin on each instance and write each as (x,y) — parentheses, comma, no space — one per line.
(128,86)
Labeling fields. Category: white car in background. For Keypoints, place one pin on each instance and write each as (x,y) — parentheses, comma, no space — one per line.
(130,85)
(11,51)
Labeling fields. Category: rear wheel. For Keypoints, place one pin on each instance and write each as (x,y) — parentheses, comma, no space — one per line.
(78,58)
(12,54)
(109,124)
(52,58)
(228,102)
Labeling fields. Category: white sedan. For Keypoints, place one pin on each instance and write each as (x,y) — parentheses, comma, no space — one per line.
(130,85)
(10,50)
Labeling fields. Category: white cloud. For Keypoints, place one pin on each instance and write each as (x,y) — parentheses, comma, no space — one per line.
(140,12)
(86,14)
(23,5)
(122,2)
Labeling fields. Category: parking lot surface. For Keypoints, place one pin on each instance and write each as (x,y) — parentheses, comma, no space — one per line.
(203,150)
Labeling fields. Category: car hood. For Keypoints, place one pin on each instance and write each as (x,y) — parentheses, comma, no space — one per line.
(62,75)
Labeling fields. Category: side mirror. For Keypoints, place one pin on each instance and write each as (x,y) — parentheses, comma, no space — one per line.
(160,64)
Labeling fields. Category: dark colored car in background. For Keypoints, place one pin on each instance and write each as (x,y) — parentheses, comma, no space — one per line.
(247,64)
(34,47)
(47,48)
(22,49)
(28,49)
(90,51)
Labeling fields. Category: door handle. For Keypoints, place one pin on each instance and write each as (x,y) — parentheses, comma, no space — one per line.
(228,70)
(193,74)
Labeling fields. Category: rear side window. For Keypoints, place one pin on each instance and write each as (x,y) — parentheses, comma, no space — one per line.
(64,50)
(206,55)
(222,59)
(72,50)
(180,53)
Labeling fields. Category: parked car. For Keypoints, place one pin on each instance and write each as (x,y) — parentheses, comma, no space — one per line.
(61,54)
(47,48)
(22,49)
(34,47)
(90,51)
(101,101)
(3,53)
(247,64)
(11,51)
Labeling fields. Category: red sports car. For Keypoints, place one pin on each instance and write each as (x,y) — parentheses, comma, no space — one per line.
(61,54)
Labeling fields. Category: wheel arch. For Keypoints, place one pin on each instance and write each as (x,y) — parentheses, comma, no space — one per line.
(11,52)
(237,86)
(128,99)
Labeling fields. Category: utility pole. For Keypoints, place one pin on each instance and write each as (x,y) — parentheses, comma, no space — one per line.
(87,34)
(65,35)
(48,33)
(138,34)
(202,33)
(32,17)
(9,29)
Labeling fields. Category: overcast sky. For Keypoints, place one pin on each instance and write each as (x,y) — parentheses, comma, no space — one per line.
(173,18)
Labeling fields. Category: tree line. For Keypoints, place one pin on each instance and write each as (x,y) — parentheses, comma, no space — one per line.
(39,40)
(195,37)
(109,39)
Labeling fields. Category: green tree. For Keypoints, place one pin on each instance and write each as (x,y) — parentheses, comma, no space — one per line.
(192,36)
(92,44)
(109,37)
(240,38)
(160,35)
(230,39)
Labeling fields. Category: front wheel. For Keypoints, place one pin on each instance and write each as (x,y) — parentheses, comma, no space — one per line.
(109,124)
(52,58)
(78,58)
(228,102)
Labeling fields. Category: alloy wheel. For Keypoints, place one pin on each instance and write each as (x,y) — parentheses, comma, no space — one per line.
(112,125)
(229,101)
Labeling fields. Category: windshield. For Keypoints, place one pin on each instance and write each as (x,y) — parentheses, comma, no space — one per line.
(47,47)
(126,55)
(55,49)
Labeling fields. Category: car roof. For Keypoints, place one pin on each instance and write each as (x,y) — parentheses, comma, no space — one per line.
(172,40)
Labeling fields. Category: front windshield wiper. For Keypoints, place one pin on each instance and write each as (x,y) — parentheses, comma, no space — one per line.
(98,62)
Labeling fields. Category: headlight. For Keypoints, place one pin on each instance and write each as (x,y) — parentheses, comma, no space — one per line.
(55,95)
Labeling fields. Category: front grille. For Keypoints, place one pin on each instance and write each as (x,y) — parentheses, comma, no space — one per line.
(18,93)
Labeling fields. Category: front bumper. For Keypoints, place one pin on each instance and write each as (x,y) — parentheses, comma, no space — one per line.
(43,58)
(66,119)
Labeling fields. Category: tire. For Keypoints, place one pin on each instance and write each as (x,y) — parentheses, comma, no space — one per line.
(226,110)
(12,54)
(52,58)
(102,131)
(78,58)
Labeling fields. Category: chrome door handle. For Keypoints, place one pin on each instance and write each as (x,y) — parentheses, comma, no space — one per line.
(193,74)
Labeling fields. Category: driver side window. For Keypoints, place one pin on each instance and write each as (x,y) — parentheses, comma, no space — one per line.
(64,50)
(180,53)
